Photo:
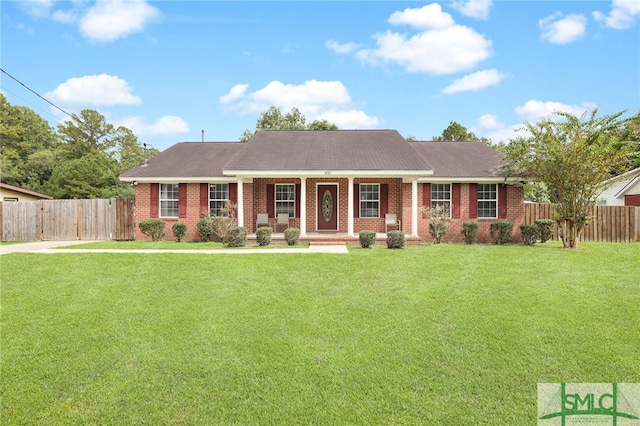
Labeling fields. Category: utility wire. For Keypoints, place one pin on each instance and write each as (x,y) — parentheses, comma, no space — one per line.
(36,93)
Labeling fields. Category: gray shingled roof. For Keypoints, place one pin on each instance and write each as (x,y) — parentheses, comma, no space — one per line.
(188,159)
(460,159)
(293,150)
(327,150)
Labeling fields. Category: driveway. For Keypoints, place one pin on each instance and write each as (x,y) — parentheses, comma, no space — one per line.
(52,247)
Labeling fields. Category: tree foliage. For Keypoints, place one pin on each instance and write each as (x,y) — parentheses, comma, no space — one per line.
(274,119)
(571,157)
(82,159)
(456,132)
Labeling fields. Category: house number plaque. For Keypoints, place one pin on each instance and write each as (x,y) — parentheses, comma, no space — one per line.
(327,206)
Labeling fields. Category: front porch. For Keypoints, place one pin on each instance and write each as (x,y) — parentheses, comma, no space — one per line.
(330,238)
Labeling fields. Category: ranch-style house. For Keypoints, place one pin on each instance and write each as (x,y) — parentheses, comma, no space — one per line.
(330,184)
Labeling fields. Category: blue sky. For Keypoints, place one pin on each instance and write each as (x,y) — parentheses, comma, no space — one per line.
(170,69)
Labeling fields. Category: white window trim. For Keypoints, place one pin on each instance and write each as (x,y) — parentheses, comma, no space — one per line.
(450,200)
(218,199)
(160,200)
(360,200)
(488,199)
(275,198)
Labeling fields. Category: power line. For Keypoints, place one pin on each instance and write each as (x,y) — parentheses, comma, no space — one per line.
(36,93)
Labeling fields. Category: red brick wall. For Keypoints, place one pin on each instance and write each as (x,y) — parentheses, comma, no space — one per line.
(255,201)
(632,200)
(515,214)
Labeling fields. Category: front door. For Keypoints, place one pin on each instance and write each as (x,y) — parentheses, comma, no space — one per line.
(327,208)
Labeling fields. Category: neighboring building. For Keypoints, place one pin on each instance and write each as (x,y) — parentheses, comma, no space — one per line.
(334,182)
(15,193)
(624,190)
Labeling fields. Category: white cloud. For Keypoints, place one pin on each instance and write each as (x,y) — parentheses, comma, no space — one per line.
(37,8)
(168,125)
(315,99)
(236,92)
(476,81)
(441,47)
(534,110)
(65,17)
(109,20)
(623,14)
(489,126)
(443,51)
(430,16)
(341,48)
(93,90)
(478,9)
(557,29)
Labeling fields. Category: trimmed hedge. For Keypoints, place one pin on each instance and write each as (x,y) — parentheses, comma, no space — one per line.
(292,235)
(153,228)
(501,232)
(545,228)
(469,232)
(237,237)
(179,230)
(263,235)
(205,229)
(530,234)
(367,239)
(395,239)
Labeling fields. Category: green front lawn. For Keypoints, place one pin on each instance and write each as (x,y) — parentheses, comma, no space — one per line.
(174,245)
(447,334)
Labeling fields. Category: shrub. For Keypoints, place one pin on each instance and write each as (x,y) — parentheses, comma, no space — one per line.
(292,235)
(530,234)
(438,222)
(179,230)
(236,237)
(205,228)
(470,232)
(367,238)
(545,229)
(153,228)
(395,239)
(501,232)
(263,236)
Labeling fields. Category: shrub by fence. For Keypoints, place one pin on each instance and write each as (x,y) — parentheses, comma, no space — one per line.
(608,223)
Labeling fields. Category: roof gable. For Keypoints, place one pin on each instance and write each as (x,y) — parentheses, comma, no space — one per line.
(313,150)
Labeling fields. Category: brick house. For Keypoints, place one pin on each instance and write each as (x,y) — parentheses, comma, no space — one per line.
(331,183)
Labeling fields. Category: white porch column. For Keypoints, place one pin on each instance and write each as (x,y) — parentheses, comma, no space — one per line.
(350,208)
(414,207)
(240,204)
(303,207)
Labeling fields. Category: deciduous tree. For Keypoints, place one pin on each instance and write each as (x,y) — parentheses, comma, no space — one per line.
(572,157)
(273,119)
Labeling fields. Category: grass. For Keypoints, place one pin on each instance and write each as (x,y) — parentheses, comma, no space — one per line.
(446,334)
(173,245)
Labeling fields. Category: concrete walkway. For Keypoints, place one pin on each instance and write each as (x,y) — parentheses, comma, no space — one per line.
(50,247)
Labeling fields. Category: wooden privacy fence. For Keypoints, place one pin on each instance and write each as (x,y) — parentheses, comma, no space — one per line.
(617,224)
(97,219)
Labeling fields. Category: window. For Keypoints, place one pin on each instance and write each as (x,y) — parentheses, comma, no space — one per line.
(168,200)
(10,199)
(487,200)
(285,196)
(369,200)
(441,196)
(218,197)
